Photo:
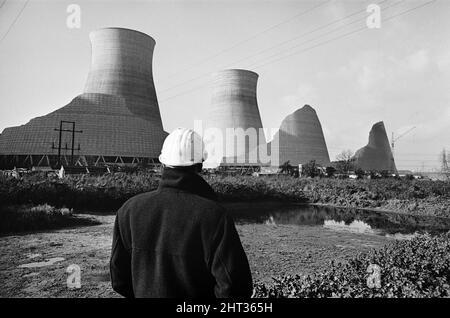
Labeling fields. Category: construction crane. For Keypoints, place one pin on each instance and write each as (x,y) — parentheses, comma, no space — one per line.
(394,139)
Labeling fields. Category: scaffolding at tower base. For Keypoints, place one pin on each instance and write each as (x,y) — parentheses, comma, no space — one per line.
(45,160)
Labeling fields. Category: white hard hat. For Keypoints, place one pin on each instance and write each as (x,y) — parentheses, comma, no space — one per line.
(183,147)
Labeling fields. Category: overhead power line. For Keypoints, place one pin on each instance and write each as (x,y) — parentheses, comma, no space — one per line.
(14,21)
(345,35)
(308,48)
(320,28)
(327,33)
(254,36)
(206,74)
(1,5)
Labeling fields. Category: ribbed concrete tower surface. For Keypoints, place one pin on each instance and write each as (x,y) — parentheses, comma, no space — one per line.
(234,106)
(301,138)
(122,64)
(377,154)
(118,111)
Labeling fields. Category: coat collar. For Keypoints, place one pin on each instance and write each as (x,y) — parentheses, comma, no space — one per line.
(187,181)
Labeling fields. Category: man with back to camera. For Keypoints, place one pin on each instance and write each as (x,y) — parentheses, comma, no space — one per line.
(178,241)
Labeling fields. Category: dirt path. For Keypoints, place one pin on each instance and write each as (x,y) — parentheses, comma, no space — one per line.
(88,247)
(272,250)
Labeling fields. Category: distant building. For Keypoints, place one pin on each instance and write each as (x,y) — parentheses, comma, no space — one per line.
(404,173)
(436,176)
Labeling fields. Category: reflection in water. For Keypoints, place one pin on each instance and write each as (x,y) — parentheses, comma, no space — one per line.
(400,236)
(340,219)
(355,227)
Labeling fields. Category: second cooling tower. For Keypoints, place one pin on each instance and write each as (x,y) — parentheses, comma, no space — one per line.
(234,113)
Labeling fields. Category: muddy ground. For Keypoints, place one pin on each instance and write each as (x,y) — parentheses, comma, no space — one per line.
(272,250)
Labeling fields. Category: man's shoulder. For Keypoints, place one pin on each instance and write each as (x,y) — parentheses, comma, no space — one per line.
(209,213)
(137,201)
(206,205)
(211,207)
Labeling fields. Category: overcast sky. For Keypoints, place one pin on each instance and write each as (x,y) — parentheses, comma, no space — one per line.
(304,53)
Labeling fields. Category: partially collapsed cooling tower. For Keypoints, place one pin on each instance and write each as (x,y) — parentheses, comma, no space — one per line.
(301,138)
(234,106)
(118,112)
(377,155)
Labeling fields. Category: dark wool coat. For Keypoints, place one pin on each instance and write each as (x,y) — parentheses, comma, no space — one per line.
(178,241)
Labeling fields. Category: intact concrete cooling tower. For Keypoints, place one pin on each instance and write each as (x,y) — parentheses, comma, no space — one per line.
(301,139)
(118,112)
(377,155)
(234,112)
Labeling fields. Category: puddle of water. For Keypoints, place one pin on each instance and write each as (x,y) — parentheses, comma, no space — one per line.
(355,226)
(48,262)
(400,236)
(392,225)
